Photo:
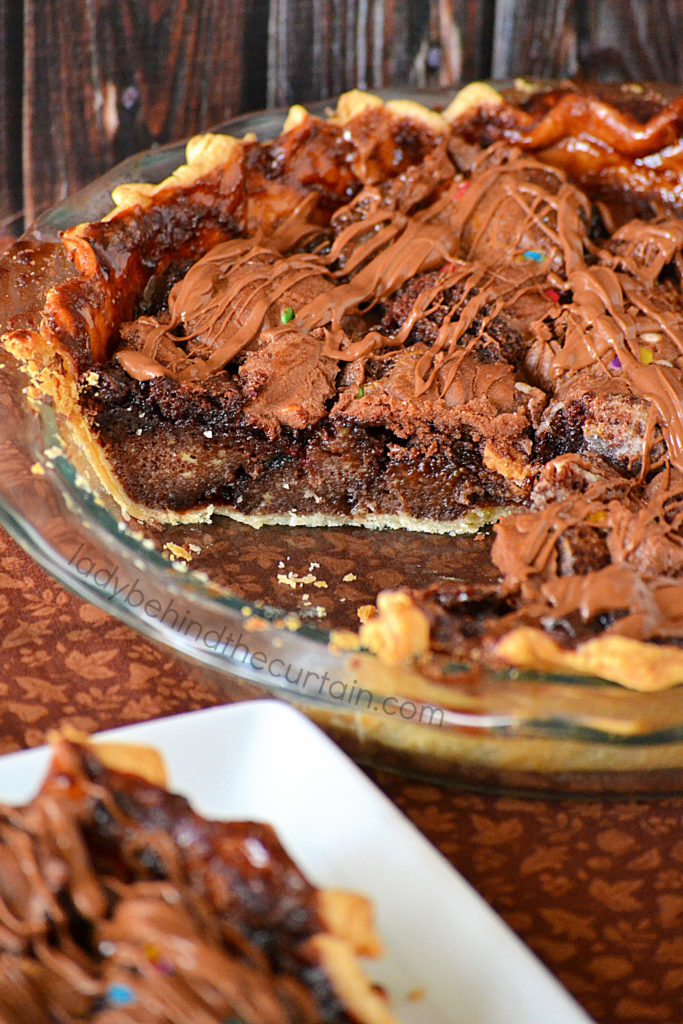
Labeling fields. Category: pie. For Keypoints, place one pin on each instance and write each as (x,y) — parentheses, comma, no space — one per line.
(394,317)
(120,904)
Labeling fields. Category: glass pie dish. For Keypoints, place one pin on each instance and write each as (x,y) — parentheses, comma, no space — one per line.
(256,611)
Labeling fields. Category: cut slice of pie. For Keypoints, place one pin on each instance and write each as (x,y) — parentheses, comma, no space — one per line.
(122,904)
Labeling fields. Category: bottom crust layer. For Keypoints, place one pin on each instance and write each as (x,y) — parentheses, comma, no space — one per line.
(470,522)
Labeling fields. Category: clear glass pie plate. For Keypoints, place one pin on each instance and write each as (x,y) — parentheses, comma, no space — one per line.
(253,610)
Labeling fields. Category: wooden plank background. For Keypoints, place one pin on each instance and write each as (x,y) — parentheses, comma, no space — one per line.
(83,83)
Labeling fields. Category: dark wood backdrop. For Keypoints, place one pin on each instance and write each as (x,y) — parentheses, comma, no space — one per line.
(83,83)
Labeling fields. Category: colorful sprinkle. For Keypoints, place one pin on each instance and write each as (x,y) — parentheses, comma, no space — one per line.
(121,995)
(164,966)
(287,315)
(459,190)
(646,356)
(361,392)
(615,364)
(532,254)
(448,268)
(552,294)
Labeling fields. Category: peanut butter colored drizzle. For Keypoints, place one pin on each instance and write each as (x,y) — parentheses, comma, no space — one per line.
(649,246)
(154,951)
(226,296)
(608,317)
(642,603)
(369,260)
(614,324)
(393,249)
(514,228)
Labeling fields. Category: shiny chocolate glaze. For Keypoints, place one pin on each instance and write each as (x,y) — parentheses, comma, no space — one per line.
(119,904)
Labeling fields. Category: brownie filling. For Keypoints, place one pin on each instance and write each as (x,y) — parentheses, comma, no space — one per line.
(373,364)
(393,322)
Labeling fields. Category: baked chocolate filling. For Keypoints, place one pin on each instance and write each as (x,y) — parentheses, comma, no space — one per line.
(392,318)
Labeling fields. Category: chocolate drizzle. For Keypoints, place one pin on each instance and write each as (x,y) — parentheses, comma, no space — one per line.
(511,238)
(637,590)
(226,297)
(118,904)
(481,294)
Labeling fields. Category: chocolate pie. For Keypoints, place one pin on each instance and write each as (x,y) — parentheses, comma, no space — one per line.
(398,318)
(120,904)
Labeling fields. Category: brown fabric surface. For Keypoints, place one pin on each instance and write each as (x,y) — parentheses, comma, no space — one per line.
(595,888)
(62,660)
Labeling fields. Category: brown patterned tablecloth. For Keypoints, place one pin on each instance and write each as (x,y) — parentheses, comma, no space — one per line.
(595,888)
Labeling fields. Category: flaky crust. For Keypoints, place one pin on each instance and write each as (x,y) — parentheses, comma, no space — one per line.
(399,632)
(203,154)
(48,356)
(632,663)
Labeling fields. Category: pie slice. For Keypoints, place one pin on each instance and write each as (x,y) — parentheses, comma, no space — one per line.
(123,905)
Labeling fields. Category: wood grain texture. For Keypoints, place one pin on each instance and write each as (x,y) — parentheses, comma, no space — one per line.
(10,110)
(120,75)
(458,47)
(633,40)
(84,83)
(318,48)
(535,39)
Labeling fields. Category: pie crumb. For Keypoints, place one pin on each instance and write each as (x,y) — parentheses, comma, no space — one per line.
(177,552)
(254,624)
(344,640)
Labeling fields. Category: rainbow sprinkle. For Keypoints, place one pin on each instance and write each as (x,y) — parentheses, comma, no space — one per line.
(615,364)
(646,356)
(552,294)
(121,995)
(532,254)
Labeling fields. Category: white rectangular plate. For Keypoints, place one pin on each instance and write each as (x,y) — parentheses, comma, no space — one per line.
(266,762)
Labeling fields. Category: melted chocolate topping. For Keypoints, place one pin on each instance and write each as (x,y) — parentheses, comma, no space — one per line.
(600,322)
(118,904)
